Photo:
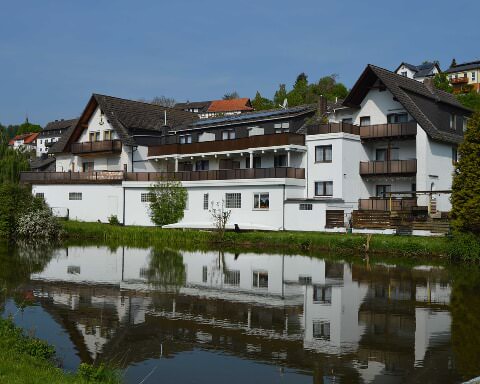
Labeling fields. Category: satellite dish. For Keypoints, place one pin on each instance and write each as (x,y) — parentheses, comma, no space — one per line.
(284,105)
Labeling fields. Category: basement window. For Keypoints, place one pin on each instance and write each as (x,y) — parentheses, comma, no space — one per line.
(233,200)
(305,206)
(146,197)
(75,196)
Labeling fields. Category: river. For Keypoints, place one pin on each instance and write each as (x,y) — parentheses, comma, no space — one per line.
(171,315)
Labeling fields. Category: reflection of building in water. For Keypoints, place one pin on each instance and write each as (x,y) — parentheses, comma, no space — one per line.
(336,319)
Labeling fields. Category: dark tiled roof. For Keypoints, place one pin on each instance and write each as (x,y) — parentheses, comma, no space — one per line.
(60,145)
(59,124)
(464,67)
(40,164)
(422,70)
(201,105)
(420,101)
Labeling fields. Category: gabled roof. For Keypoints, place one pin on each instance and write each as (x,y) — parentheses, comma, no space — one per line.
(422,70)
(127,118)
(464,67)
(231,105)
(202,106)
(420,101)
(27,138)
(59,125)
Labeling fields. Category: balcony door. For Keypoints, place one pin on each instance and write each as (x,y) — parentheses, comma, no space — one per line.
(88,166)
(383,191)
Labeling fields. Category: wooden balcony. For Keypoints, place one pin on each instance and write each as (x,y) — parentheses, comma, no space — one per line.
(388,168)
(114,177)
(97,147)
(385,204)
(459,80)
(243,143)
(221,174)
(322,129)
(96,177)
(382,131)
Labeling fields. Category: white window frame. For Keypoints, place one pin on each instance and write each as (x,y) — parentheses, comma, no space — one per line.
(256,279)
(146,197)
(326,184)
(323,149)
(257,198)
(305,207)
(233,200)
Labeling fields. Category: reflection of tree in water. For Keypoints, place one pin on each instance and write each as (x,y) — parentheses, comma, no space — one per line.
(465,310)
(166,269)
(17,263)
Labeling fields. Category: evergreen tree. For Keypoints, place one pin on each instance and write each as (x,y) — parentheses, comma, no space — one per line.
(297,95)
(260,103)
(280,95)
(466,181)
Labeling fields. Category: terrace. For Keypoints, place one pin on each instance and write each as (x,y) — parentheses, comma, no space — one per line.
(97,147)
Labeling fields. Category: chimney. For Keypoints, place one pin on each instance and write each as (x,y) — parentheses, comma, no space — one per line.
(322,105)
(429,84)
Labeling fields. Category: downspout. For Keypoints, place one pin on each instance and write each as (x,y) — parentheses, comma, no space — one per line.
(283,209)
(123,189)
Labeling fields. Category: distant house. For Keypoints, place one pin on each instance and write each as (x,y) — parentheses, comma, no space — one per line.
(215,108)
(52,132)
(26,141)
(418,72)
(464,77)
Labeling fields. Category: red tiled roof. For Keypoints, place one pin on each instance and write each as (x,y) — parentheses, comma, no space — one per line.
(27,138)
(232,105)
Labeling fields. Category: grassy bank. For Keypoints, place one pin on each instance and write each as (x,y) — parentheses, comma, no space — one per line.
(463,248)
(25,359)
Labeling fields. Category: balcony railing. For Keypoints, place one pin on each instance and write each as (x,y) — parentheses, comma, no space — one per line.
(113,177)
(221,174)
(272,140)
(385,204)
(397,130)
(388,168)
(459,80)
(96,177)
(105,146)
(319,129)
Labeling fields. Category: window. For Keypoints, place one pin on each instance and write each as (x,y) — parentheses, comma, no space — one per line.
(75,196)
(231,277)
(404,73)
(304,280)
(322,294)
(453,121)
(40,195)
(394,118)
(88,166)
(233,200)
(324,188)
(107,135)
(454,155)
(146,197)
(473,76)
(321,330)
(305,206)
(185,139)
(280,161)
(94,136)
(201,165)
(205,201)
(383,190)
(260,279)
(228,135)
(257,162)
(323,154)
(281,127)
(381,154)
(261,200)
(364,120)
(204,273)
(73,270)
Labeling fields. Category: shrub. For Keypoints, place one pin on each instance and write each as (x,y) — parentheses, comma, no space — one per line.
(168,200)
(113,220)
(38,223)
(15,200)
(98,374)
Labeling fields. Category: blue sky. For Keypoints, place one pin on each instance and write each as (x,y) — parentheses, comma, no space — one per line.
(54,54)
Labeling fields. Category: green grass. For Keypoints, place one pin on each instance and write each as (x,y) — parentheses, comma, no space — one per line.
(25,359)
(455,248)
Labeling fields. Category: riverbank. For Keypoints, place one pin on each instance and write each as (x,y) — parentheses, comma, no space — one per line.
(25,359)
(458,248)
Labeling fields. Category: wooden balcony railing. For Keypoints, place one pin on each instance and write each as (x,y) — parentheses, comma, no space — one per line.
(105,146)
(388,130)
(228,145)
(96,177)
(113,177)
(319,129)
(221,174)
(385,204)
(459,80)
(388,168)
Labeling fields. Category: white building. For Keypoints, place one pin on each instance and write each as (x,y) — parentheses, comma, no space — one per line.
(418,72)
(390,148)
(52,132)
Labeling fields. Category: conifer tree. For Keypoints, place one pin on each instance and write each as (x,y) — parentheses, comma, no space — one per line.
(466,181)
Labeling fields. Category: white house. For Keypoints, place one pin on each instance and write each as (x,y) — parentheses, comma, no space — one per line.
(52,132)
(391,147)
(418,72)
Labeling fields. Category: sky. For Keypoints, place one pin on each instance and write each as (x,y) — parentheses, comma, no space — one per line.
(55,53)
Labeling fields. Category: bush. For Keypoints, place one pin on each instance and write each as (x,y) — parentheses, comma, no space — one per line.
(98,374)
(113,220)
(38,223)
(464,247)
(15,200)
(168,200)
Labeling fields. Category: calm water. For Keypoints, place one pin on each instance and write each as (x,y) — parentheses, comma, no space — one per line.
(169,315)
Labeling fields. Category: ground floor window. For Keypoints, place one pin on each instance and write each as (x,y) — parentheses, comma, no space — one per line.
(324,188)
(205,201)
(233,200)
(260,279)
(261,200)
(231,277)
(75,196)
(146,197)
(321,330)
(322,294)
(40,195)
(305,206)
(204,273)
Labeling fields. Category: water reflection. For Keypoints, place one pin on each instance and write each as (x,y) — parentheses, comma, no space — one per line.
(336,321)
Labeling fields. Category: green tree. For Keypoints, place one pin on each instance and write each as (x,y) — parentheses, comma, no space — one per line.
(27,127)
(166,269)
(441,82)
(12,162)
(231,95)
(280,95)
(466,181)
(470,100)
(298,94)
(168,200)
(260,103)
(328,87)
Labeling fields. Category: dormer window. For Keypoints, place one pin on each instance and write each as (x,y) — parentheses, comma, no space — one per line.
(453,121)
(404,73)
(228,135)
(185,139)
